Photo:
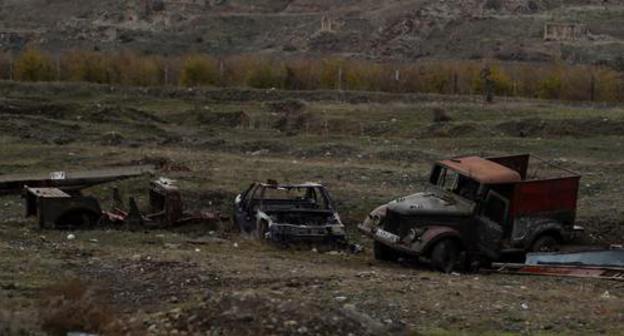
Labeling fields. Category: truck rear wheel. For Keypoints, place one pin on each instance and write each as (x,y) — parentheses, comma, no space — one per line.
(545,243)
(384,252)
(444,255)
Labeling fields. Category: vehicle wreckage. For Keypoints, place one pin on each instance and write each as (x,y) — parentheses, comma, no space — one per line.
(476,210)
(288,213)
(58,202)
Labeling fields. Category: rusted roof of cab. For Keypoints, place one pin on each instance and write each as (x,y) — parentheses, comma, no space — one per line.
(482,170)
(291,186)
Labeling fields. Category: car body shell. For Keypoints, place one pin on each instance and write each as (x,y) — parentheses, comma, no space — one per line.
(289,221)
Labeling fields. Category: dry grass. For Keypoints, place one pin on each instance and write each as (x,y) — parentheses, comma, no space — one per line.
(73,305)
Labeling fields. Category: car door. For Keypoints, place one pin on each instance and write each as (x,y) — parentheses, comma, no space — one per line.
(491,219)
(244,219)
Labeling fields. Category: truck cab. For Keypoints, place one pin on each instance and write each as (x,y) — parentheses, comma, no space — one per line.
(479,208)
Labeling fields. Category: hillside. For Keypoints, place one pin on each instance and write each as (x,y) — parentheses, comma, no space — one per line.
(398,29)
(367,148)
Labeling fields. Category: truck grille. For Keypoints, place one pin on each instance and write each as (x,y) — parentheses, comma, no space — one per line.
(392,224)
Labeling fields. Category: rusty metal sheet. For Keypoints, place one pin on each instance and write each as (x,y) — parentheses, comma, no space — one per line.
(546,195)
(599,258)
(47,192)
(482,170)
(69,180)
(607,273)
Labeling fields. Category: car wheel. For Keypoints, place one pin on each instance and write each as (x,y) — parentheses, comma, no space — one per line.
(444,255)
(384,252)
(261,230)
(545,243)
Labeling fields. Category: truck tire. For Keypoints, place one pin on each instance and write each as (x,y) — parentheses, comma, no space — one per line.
(545,243)
(384,252)
(444,255)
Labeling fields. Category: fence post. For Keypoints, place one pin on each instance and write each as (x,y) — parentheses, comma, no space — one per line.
(11,66)
(339,79)
(58,67)
(166,77)
(221,70)
(592,88)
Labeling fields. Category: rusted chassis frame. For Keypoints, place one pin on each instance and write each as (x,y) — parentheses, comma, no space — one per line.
(56,209)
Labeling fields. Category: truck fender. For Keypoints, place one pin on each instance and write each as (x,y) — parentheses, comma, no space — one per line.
(434,234)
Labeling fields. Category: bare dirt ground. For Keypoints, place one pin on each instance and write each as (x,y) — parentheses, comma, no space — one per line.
(367,148)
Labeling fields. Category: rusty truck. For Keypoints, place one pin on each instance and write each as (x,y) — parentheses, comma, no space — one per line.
(476,210)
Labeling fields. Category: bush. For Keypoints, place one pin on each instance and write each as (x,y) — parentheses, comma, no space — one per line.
(332,74)
(547,81)
(199,70)
(503,85)
(34,66)
(5,66)
(549,87)
(73,306)
(265,74)
(129,68)
(302,74)
(85,66)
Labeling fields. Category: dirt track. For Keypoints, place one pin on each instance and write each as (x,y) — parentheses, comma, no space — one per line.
(160,281)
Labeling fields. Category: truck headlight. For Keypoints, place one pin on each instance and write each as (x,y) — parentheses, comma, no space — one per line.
(414,234)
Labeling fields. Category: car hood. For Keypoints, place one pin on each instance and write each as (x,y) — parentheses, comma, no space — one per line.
(435,202)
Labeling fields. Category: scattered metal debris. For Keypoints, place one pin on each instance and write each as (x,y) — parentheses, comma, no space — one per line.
(57,209)
(166,209)
(289,213)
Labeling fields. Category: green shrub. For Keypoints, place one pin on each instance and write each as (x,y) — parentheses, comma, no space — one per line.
(199,70)
(34,66)
(549,87)
(265,74)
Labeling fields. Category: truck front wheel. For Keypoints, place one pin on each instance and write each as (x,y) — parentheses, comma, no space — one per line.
(444,255)
(384,252)
(261,230)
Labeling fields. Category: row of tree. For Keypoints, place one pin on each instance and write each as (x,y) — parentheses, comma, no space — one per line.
(548,81)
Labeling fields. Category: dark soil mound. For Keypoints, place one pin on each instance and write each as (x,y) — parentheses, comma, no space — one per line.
(536,127)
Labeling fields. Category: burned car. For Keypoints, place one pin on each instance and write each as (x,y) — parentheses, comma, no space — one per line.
(289,213)
(478,208)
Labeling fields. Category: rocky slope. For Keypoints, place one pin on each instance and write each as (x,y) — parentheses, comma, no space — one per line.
(399,29)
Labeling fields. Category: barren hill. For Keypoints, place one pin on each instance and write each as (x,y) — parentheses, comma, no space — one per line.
(577,31)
